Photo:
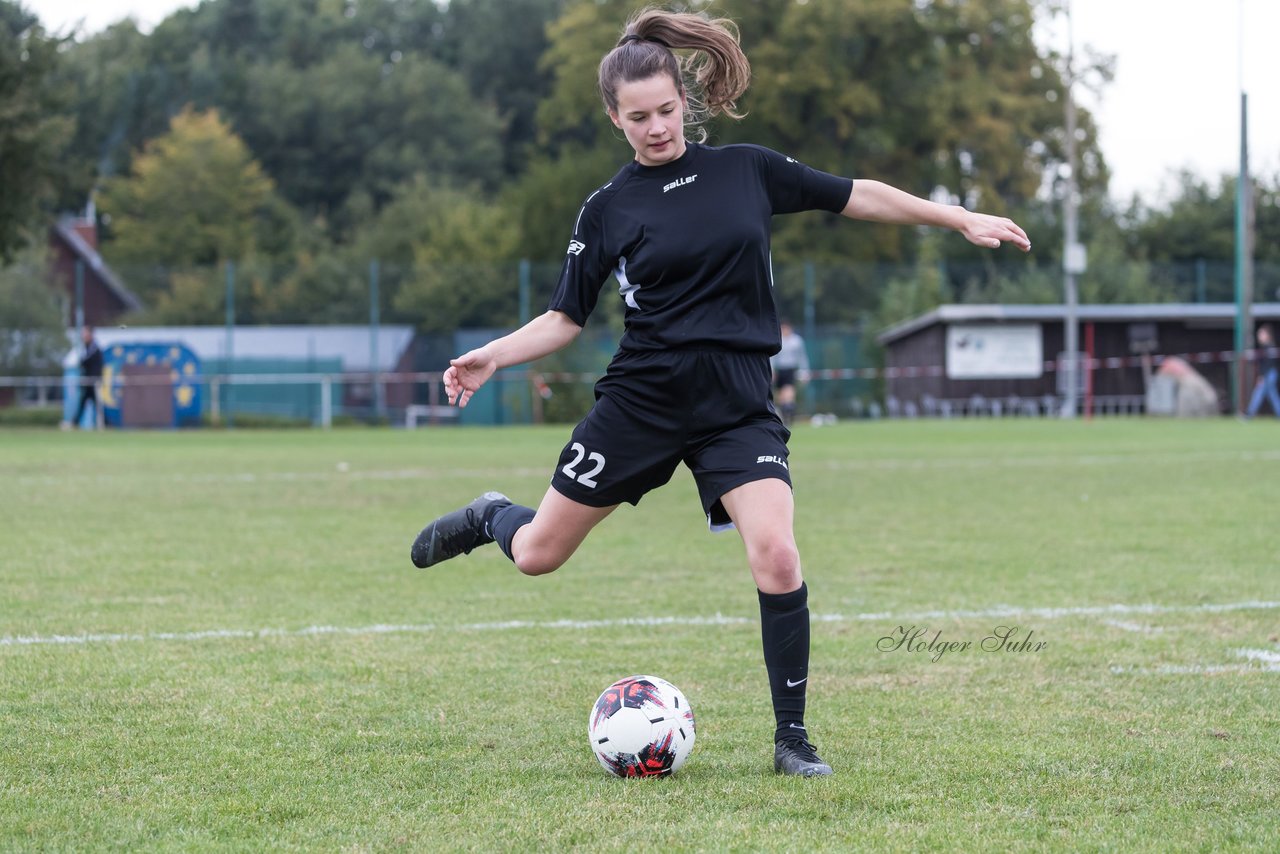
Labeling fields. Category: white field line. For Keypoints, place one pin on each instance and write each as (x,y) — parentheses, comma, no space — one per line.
(1053,460)
(1131,626)
(342,471)
(996,612)
(1258,661)
(1266,656)
(339,473)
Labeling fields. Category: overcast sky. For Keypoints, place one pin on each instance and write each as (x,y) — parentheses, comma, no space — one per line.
(1174,104)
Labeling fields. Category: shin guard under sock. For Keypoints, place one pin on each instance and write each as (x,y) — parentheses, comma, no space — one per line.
(503,523)
(784,630)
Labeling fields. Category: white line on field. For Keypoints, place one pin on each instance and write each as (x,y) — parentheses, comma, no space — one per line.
(1259,661)
(1131,626)
(1052,460)
(338,473)
(996,612)
(1266,656)
(1057,613)
(1192,670)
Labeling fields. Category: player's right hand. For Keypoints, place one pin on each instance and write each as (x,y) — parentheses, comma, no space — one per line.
(466,374)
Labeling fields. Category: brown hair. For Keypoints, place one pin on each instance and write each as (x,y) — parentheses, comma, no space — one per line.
(713,77)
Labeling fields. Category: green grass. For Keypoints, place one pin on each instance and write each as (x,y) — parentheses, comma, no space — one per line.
(222,683)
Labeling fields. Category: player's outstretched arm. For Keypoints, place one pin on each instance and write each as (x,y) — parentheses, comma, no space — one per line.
(878,202)
(540,337)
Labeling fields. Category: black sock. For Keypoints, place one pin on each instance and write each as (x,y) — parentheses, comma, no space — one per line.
(784,628)
(503,523)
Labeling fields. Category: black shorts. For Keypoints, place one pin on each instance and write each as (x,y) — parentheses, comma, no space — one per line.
(783,377)
(710,409)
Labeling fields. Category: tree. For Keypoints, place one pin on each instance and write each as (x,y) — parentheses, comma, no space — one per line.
(571,116)
(32,131)
(335,99)
(32,337)
(945,99)
(316,285)
(495,45)
(360,121)
(195,198)
(118,103)
(192,198)
(1193,235)
(463,256)
(923,289)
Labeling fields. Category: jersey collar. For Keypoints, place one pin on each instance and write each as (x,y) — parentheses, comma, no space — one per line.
(675,167)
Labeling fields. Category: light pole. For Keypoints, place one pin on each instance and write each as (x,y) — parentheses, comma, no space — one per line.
(1244,242)
(1073,252)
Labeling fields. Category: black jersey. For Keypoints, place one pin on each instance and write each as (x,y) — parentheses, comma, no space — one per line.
(688,242)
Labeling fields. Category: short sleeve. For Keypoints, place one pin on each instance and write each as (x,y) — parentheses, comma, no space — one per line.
(586,263)
(795,187)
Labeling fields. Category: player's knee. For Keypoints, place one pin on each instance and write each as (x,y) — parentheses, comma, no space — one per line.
(778,561)
(538,561)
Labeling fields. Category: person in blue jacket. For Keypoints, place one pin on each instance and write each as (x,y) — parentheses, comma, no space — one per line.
(1265,387)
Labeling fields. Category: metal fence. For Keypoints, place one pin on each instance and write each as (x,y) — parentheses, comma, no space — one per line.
(838,308)
(559,392)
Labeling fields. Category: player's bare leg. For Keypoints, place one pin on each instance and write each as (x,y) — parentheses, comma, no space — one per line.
(554,534)
(763,512)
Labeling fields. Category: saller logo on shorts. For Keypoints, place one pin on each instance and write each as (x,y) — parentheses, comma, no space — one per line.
(772,459)
(576,247)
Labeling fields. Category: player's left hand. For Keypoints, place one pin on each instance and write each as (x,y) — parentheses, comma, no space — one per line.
(990,231)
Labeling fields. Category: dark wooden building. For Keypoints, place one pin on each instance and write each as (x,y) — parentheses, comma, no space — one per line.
(73,245)
(960,358)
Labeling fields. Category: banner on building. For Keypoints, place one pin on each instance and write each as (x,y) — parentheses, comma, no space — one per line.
(982,351)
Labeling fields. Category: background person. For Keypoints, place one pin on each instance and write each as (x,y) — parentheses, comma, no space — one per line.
(90,375)
(790,366)
(1265,386)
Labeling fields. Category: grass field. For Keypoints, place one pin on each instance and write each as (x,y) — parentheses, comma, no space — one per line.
(216,641)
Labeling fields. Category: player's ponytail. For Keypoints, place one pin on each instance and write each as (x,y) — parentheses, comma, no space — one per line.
(713,77)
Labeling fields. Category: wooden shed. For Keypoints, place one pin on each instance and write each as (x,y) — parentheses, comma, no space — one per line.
(1002,358)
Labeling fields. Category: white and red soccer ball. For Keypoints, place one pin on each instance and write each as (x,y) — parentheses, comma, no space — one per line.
(641,726)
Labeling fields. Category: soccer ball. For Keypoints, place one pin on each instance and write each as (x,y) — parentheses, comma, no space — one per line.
(641,726)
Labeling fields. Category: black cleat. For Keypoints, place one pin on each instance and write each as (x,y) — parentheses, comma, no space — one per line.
(456,533)
(797,756)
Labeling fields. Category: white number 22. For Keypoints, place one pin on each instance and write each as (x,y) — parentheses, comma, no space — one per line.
(587,478)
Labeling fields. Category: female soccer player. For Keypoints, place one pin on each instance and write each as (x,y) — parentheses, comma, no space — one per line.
(684,227)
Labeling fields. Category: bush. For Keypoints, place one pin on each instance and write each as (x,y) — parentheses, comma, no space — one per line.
(345,419)
(257,421)
(30,416)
